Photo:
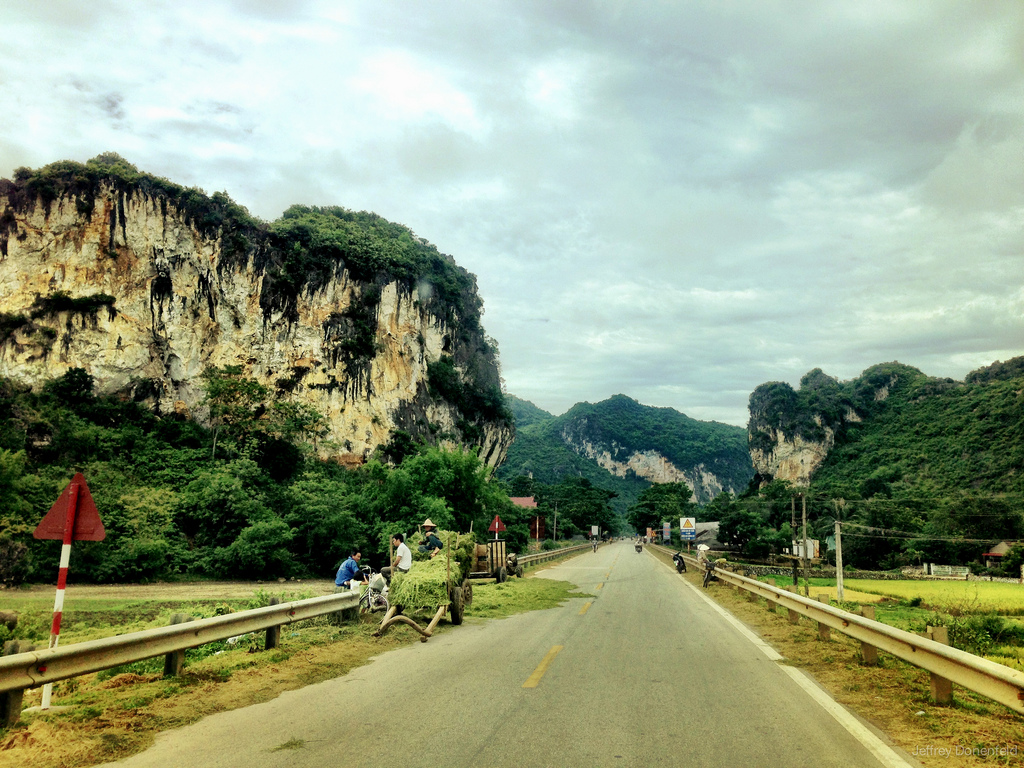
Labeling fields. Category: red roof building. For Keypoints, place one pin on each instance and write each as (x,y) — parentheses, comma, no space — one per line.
(524,501)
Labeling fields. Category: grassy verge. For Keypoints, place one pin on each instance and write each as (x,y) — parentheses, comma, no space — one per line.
(982,617)
(895,696)
(116,713)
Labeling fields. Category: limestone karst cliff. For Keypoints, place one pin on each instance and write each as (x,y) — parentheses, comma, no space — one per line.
(145,284)
(625,446)
(791,432)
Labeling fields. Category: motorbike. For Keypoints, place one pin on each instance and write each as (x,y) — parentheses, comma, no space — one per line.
(677,558)
(639,547)
(375,597)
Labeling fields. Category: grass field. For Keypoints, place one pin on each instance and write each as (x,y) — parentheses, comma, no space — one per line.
(954,597)
(983,617)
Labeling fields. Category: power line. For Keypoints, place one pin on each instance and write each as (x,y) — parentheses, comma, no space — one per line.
(888,533)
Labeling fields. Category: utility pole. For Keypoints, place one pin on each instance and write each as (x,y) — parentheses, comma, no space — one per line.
(839,563)
(807,583)
(555,534)
(792,536)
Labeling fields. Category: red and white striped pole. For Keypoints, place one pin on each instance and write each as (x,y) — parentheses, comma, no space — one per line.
(62,580)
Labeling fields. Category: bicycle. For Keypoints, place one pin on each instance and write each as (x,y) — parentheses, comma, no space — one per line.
(709,573)
(375,597)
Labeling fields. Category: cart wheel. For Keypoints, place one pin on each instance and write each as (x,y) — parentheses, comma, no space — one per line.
(502,575)
(467,593)
(456,606)
(519,571)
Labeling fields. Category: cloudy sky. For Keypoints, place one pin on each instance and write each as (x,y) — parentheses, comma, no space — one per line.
(677,201)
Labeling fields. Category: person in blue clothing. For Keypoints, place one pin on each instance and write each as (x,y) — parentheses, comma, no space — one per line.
(350,572)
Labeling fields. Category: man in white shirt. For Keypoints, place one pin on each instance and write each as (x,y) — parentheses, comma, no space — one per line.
(403,557)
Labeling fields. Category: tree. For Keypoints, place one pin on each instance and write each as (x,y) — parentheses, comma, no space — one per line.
(740,527)
(660,503)
(236,403)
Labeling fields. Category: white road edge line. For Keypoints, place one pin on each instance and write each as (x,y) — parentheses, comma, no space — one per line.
(885,754)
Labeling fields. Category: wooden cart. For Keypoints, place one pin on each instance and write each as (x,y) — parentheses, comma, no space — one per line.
(460,595)
(494,562)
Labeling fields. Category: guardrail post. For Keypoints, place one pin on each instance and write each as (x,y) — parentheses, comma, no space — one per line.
(868,653)
(824,631)
(175,660)
(942,689)
(273,633)
(751,596)
(10,701)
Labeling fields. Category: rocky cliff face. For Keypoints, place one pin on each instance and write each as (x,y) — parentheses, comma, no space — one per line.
(791,432)
(651,466)
(658,445)
(130,283)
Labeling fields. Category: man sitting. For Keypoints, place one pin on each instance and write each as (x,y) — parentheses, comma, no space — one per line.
(349,575)
(431,542)
(403,557)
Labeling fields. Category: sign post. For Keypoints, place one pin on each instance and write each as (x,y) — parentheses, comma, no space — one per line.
(496,526)
(73,517)
(688,530)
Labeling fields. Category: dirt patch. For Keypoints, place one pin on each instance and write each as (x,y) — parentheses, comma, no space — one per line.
(894,697)
(175,591)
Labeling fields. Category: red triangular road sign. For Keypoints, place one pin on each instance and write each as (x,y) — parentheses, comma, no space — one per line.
(88,526)
(497,526)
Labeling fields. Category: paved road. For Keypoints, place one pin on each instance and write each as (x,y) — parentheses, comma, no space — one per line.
(646,672)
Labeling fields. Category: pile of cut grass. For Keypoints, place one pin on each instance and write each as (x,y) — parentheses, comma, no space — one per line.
(424,586)
(461,547)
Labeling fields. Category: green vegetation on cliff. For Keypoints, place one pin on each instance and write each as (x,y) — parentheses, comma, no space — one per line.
(550,448)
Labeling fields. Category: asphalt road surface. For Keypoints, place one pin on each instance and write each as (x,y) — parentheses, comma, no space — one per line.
(644,672)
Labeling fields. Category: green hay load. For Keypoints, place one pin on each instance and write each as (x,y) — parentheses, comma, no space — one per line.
(426,584)
(461,547)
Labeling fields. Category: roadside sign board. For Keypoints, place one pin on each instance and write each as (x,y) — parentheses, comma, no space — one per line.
(496,525)
(666,531)
(688,528)
(85,518)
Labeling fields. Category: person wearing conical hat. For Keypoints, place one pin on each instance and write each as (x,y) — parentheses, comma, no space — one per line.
(431,542)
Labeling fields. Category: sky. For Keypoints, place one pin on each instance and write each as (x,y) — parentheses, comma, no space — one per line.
(676,201)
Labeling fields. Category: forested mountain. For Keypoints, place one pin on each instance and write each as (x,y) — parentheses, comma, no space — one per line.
(623,446)
(920,468)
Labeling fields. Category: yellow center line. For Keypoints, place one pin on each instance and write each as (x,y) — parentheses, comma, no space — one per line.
(599,586)
(585,608)
(538,673)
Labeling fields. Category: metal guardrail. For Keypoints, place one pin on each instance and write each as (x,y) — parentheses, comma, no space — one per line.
(551,554)
(21,671)
(994,681)
(29,670)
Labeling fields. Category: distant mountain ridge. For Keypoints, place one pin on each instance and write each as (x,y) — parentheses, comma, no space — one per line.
(625,446)
(893,431)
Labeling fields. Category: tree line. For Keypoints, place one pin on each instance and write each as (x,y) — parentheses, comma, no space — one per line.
(244,496)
